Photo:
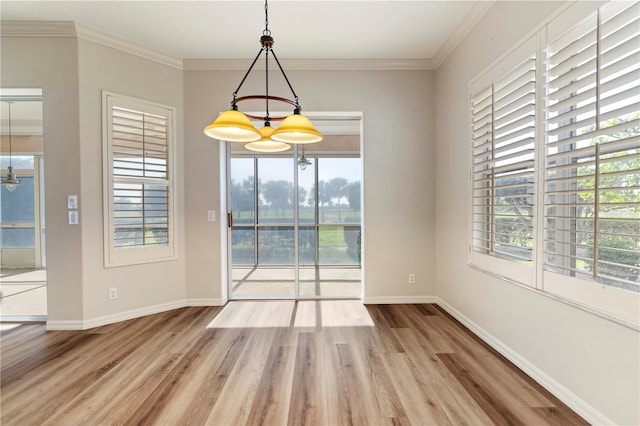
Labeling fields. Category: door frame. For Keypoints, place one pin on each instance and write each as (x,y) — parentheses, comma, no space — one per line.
(328,123)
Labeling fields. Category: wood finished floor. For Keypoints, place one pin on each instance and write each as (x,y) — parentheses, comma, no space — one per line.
(271,363)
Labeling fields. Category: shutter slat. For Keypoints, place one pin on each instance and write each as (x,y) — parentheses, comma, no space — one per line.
(576,74)
(572,114)
(516,112)
(572,42)
(516,125)
(586,122)
(572,89)
(520,96)
(571,62)
(569,102)
(611,39)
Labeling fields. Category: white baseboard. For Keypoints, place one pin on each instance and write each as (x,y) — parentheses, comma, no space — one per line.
(64,325)
(391,300)
(574,402)
(131,314)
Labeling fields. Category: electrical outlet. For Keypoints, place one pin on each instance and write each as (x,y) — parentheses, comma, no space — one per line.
(113,293)
(412,278)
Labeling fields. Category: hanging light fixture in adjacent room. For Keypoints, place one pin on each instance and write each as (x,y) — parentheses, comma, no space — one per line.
(235,126)
(303,161)
(10,181)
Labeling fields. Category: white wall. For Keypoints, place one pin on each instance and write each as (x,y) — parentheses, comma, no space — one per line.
(594,359)
(139,286)
(52,64)
(72,73)
(399,168)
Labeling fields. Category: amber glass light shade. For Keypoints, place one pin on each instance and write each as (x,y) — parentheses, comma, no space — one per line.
(232,126)
(296,129)
(266,144)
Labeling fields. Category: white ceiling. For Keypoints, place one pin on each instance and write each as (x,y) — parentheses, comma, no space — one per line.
(303,29)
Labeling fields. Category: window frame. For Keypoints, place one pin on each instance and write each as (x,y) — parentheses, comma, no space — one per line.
(619,305)
(116,257)
(520,273)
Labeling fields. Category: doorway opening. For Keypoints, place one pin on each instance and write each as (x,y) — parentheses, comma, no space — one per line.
(295,219)
(23,287)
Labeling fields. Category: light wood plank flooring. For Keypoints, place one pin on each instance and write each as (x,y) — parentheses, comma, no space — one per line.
(271,363)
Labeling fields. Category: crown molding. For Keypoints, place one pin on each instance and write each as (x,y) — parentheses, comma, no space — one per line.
(70,29)
(109,40)
(479,9)
(312,64)
(37,29)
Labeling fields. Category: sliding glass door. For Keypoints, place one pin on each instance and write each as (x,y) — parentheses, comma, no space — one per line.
(263,227)
(295,224)
(329,232)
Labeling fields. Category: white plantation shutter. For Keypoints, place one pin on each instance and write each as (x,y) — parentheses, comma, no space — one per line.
(140,212)
(592,150)
(503,151)
(555,161)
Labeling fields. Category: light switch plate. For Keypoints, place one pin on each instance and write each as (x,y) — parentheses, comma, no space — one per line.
(73,217)
(211,215)
(72,202)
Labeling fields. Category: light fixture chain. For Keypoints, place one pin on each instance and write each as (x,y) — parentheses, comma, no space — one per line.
(10,142)
(287,80)
(235,94)
(266,77)
(266,19)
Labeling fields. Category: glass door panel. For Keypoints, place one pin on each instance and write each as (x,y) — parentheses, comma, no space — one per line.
(332,267)
(307,194)
(307,246)
(243,246)
(275,245)
(275,191)
(263,231)
(339,182)
(296,228)
(242,191)
(339,245)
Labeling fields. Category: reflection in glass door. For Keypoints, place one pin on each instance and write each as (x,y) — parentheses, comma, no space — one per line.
(23,291)
(325,227)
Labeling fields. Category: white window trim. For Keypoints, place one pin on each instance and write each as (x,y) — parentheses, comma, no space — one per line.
(617,305)
(518,272)
(140,255)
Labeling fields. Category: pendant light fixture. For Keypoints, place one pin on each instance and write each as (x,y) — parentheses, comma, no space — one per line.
(265,143)
(10,181)
(235,126)
(303,161)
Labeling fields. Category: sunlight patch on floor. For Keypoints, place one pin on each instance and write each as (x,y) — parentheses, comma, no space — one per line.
(292,314)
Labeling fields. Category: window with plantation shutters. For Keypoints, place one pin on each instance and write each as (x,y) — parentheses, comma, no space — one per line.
(139,200)
(592,150)
(503,138)
(555,161)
